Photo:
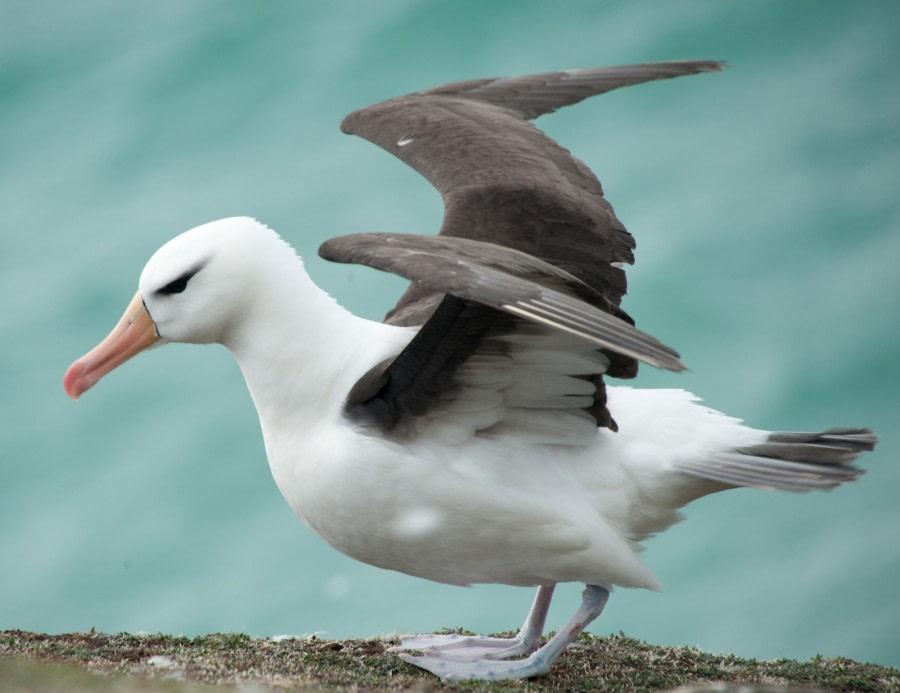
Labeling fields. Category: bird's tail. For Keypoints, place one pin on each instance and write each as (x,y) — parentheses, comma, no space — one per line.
(797,462)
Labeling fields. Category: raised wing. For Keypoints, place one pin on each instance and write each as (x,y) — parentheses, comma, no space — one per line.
(504,279)
(502,180)
(529,248)
(476,338)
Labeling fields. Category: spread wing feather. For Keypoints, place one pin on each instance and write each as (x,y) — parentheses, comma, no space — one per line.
(503,279)
(529,247)
(504,181)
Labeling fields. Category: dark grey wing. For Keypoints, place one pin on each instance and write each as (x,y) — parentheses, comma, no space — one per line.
(505,185)
(502,180)
(531,96)
(504,279)
(488,291)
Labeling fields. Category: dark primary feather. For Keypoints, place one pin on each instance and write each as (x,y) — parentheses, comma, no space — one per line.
(790,461)
(531,96)
(503,183)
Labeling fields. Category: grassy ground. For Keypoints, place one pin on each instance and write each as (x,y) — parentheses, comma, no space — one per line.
(100,662)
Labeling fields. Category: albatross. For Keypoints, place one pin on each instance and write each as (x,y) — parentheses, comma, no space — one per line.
(471,437)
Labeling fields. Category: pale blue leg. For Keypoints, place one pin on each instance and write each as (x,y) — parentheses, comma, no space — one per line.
(454,667)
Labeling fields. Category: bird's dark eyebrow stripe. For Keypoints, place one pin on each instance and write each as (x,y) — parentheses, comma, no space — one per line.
(176,286)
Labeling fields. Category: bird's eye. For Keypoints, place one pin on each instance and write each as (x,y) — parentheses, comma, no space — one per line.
(176,286)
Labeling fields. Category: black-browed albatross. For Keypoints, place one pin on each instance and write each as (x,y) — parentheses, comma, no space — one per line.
(470,437)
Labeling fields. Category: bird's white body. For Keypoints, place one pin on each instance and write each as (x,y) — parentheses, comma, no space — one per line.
(451,506)
(500,511)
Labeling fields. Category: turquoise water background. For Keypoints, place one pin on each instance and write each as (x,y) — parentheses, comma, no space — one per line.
(764,201)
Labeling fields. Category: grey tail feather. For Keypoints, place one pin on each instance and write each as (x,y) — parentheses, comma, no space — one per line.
(798,462)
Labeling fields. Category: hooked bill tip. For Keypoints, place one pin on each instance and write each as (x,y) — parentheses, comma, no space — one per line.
(71,381)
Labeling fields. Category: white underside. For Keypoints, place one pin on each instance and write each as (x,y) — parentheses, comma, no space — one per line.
(505,480)
(499,509)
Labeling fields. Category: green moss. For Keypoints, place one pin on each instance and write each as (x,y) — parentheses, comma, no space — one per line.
(614,663)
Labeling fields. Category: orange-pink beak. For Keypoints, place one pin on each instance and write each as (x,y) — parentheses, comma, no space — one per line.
(134,332)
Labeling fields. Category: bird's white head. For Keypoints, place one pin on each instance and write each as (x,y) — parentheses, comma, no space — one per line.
(197,288)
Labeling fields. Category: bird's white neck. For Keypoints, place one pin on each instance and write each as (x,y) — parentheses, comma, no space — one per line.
(300,353)
(292,346)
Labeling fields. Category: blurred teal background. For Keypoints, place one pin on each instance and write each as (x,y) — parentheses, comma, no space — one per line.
(765,205)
